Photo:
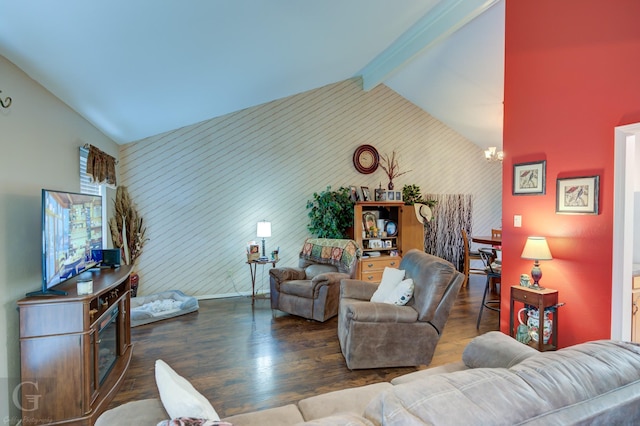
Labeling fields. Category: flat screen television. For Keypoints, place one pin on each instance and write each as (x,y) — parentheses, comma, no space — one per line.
(71,229)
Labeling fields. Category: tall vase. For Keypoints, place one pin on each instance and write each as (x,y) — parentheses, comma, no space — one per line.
(534,325)
(390,185)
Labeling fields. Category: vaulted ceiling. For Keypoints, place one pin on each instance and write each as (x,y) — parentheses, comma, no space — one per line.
(139,68)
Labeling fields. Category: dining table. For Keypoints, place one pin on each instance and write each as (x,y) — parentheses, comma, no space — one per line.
(492,241)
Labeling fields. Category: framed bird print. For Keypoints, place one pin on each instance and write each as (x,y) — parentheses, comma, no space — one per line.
(578,195)
(529,178)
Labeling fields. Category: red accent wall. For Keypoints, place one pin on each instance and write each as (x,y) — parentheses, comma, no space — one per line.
(572,74)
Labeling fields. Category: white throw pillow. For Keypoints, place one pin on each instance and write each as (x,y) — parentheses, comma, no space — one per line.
(391,277)
(401,294)
(179,397)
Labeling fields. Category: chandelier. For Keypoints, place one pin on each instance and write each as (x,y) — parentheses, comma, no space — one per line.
(492,154)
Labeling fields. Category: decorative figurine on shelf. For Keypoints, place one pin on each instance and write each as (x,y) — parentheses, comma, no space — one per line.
(380,194)
(522,334)
(525,280)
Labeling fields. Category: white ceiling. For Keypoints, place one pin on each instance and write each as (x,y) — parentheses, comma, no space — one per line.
(139,68)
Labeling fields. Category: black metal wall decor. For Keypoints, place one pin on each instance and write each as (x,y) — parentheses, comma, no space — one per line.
(6,102)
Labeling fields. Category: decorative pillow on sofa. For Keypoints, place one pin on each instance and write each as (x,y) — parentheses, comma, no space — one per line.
(179,397)
(401,294)
(495,349)
(391,277)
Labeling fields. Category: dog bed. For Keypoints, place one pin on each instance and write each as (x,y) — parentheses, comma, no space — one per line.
(160,306)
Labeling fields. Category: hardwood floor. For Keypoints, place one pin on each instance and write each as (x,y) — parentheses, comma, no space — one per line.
(244,359)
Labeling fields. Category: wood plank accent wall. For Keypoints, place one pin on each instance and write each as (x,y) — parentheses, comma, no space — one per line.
(201,189)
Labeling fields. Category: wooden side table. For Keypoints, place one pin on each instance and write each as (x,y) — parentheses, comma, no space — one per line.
(253,266)
(539,299)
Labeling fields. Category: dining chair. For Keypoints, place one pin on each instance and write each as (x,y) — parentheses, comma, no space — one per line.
(470,255)
(494,275)
(497,233)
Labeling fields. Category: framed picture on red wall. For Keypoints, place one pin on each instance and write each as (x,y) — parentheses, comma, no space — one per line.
(529,178)
(578,195)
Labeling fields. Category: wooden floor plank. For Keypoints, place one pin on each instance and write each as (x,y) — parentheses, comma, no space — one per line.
(244,359)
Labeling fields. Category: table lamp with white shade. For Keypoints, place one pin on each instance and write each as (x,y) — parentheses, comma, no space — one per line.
(263,231)
(536,249)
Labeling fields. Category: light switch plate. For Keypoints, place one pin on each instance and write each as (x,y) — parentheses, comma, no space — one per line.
(517,221)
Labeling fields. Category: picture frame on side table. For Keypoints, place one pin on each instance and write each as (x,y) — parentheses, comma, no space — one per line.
(253,252)
(530,178)
(578,195)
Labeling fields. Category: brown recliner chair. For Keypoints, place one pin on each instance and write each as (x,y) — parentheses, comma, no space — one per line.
(374,335)
(312,289)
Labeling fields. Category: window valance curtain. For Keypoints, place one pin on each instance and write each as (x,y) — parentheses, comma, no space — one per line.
(101,167)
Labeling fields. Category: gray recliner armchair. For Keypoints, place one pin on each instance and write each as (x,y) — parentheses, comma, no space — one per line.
(312,289)
(374,335)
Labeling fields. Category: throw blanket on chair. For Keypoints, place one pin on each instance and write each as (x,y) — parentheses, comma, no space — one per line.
(340,253)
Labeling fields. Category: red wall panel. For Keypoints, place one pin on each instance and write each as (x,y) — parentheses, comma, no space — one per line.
(572,73)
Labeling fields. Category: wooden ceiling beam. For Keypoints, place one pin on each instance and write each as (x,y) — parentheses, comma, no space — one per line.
(440,22)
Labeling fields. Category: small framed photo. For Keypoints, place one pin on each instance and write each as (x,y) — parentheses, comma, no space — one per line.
(392,195)
(376,244)
(365,193)
(388,243)
(253,252)
(381,194)
(369,221)
(529,178)
(353,193)
(578,195)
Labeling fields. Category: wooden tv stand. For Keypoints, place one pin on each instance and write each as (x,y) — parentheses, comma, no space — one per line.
(75,349)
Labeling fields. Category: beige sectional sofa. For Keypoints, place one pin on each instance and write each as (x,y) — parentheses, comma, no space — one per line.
(499,381)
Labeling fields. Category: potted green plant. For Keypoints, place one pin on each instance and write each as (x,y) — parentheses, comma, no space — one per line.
(330,213)
(411,194)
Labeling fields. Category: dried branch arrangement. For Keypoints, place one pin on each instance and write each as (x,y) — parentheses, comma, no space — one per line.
(391,168)
(127,231)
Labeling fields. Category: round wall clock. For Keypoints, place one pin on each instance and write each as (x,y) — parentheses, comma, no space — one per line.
(366,159)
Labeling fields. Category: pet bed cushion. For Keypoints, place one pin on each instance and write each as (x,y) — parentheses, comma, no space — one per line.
(159,306)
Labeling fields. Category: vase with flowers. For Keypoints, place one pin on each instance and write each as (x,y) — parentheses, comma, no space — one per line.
(127,232)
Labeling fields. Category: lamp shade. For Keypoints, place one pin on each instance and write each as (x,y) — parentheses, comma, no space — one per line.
(536,248)
(264,229)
